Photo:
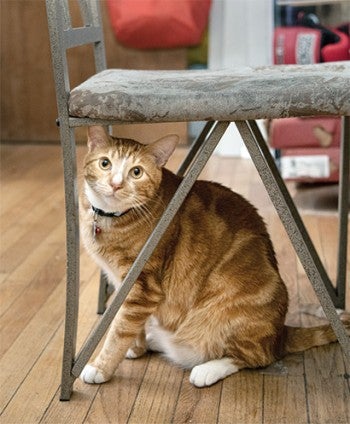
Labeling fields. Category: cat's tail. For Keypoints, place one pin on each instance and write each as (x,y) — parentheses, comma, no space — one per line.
(298,339)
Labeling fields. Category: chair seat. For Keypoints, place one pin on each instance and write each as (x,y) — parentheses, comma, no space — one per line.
(203,95)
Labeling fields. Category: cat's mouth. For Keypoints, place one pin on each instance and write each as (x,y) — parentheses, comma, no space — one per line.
(107,200)
(111,195)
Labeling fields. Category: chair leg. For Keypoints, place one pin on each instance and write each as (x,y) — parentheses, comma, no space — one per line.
(343,207)
(72,238)
(102,294)
(294,226)
(105,290)
(196,145)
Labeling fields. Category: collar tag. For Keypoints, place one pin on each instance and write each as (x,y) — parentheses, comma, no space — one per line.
(96,230)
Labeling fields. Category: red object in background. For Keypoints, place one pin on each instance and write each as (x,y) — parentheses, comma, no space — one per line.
(302,45)
(337,51)
(146,24)
(316,138)
(296,45)
(300,132)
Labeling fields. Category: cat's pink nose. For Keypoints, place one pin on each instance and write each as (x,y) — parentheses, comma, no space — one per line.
(116,186)
(116,182)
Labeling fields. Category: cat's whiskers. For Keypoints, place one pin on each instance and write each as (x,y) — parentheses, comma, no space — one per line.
(142,211)
(158,199)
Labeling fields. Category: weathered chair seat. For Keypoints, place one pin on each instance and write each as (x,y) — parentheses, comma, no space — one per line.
(245,93)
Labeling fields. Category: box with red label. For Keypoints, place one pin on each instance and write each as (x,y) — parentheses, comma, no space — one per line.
(310,165)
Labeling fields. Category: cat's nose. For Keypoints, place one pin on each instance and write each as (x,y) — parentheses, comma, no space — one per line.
(116,186)
(116,182)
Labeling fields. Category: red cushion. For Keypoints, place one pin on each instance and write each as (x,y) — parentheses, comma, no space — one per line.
(147,24)
(305,132)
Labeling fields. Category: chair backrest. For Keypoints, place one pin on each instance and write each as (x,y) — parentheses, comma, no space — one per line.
(63,37)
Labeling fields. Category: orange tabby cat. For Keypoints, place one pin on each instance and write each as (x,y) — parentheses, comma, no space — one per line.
(211,297)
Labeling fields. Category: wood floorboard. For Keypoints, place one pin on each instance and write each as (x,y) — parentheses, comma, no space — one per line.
(288,387)
(32,209)
(197,405)
(242,398)
(21,180)
(309,387)
(114,402)
(16,282)
(29,300)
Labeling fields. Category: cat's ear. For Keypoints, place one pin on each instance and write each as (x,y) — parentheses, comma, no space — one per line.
(162,149)
(97,137)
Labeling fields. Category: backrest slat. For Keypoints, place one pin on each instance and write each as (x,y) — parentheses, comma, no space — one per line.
(64,37)
(76,37)
(65,14)
(90,12)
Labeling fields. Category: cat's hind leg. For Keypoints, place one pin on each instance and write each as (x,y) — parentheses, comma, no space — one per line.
(161,340)
(138,348)
(212,371)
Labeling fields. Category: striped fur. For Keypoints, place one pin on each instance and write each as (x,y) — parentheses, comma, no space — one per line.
(211,297)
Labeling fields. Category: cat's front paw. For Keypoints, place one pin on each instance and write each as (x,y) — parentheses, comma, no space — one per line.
(92,375)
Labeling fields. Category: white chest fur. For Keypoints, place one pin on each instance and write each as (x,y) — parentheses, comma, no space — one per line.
(91,246)
(110,272)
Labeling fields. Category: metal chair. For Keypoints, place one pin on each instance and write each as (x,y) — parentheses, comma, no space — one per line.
(218,97)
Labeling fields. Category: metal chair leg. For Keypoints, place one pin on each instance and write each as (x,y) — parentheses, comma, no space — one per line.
(72,236)
(343,208)
(102,294)
(196,145)
(293,224)
(105,291)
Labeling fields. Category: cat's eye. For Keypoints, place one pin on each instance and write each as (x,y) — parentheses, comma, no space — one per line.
(136,172)
(105,163)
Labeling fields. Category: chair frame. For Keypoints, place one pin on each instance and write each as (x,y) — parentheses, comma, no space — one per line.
(64,37)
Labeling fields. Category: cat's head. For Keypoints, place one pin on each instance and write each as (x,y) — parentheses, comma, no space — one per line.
(120,173)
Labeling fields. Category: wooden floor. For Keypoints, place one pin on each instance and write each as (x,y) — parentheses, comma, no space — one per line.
(312,387)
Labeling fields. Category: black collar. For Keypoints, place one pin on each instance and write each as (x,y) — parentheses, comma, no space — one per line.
(100,212)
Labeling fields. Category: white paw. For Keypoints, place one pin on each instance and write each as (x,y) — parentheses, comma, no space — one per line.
(130,354)
(212,371)
(92,375)
(202,377)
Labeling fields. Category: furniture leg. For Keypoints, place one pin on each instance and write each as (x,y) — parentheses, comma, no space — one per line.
(343,208)
(105,290)
(293,224)
(72,236)
(196,145)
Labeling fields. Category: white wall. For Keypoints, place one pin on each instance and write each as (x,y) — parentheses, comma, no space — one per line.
(240,34)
